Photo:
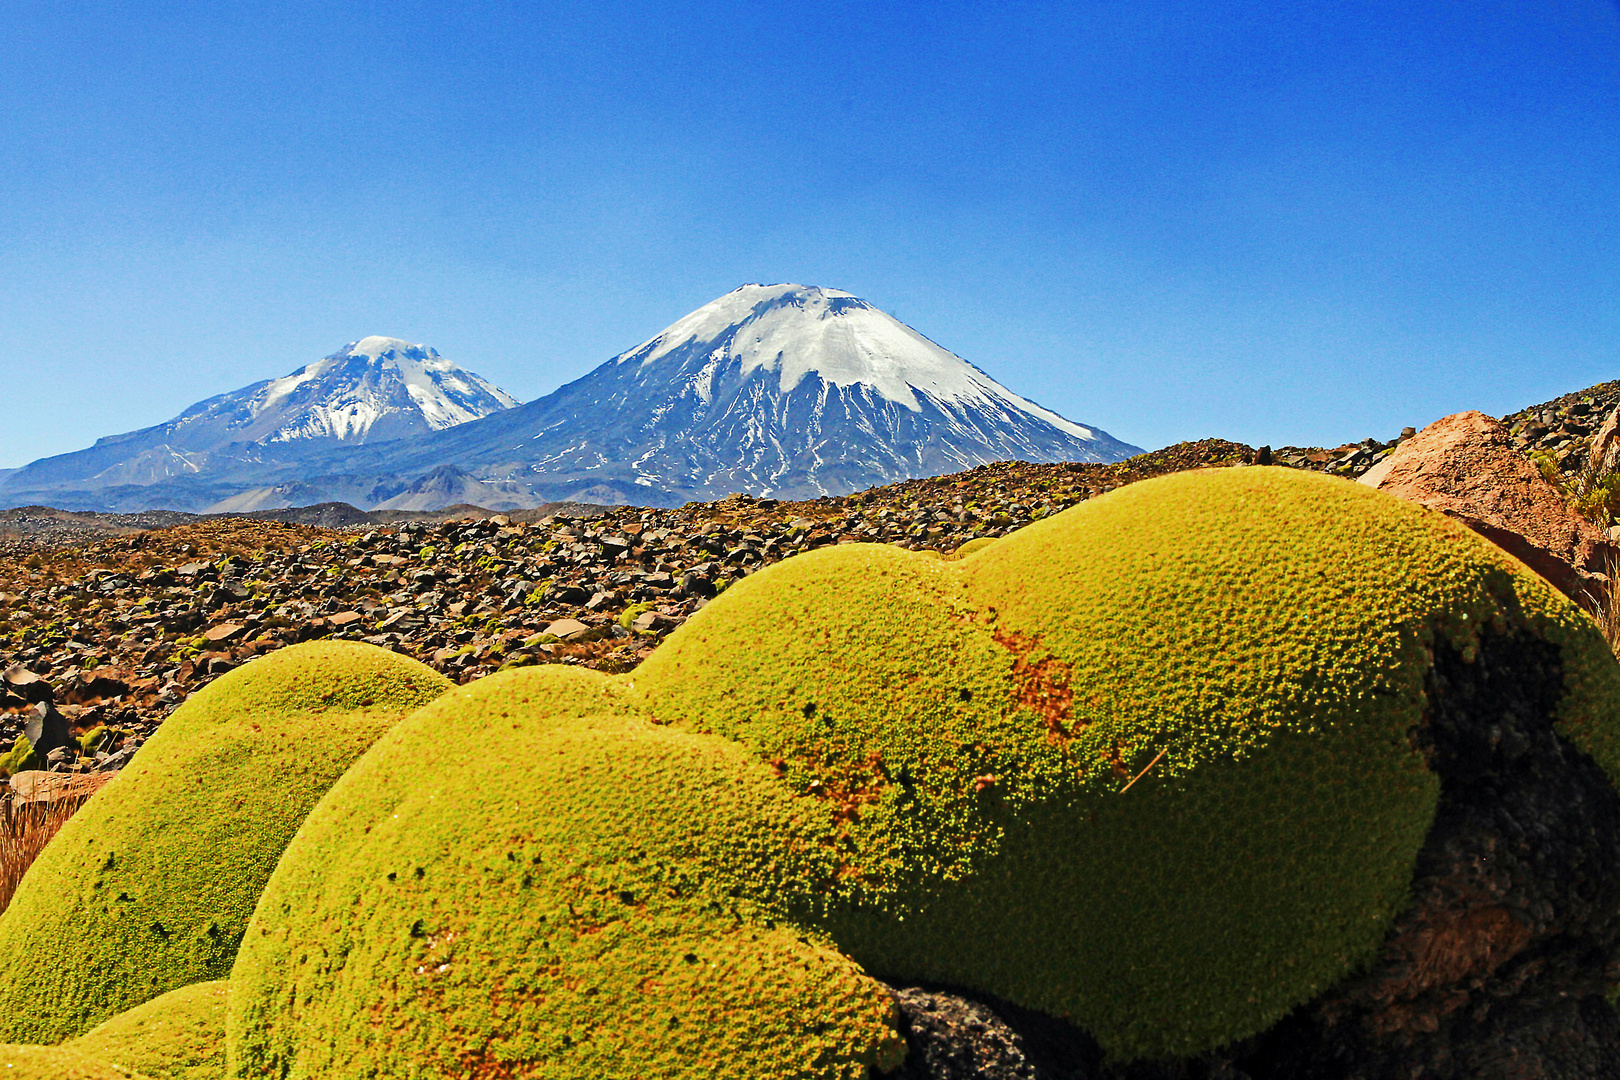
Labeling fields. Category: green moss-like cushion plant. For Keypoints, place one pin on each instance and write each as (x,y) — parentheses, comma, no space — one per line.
(522,880)
(149,887)
(22,1062)
(1148,764)
(178,1036)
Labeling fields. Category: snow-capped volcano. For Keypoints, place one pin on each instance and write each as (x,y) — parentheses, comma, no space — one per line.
(789,391)
(374,389)
(799,330)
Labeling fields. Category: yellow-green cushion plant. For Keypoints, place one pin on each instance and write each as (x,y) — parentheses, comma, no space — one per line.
(521,880)
(149,887)
(179,1036)
(57,1063)
(972,547)
(1148,764)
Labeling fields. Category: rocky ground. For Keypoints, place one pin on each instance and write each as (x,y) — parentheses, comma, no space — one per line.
(113,632)
(109,621)
(1563,428)
(25,529)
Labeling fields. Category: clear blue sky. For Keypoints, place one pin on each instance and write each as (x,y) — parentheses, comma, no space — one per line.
(1304,222)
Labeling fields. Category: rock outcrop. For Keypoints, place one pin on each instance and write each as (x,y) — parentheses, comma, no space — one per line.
(1467,467)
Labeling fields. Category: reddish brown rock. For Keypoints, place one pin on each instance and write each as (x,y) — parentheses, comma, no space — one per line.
(25,684)
(1467,467)
(1604,454)
(102,684)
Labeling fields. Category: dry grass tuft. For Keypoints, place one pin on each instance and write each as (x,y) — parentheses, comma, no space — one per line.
(27,828)
(1604,604)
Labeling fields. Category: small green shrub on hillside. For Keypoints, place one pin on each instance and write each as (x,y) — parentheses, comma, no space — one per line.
(577,907)
(1548,468)
(154,880)
(19,758)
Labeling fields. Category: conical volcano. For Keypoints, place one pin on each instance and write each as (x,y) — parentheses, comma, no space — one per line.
(788,391)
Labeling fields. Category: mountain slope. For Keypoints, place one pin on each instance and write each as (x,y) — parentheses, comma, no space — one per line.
(789,391)
(374,389)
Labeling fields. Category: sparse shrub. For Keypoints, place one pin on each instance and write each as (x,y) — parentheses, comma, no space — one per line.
(1604,604)
(25,833)
(18,758)
(1596,497)
(628,616)
(1548,468)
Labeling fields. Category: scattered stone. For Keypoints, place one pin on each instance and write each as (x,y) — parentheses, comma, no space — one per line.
(1467,467)
(26,685)
(102,683)
(45,729)
(225,632)
(950,1037)
(567,629)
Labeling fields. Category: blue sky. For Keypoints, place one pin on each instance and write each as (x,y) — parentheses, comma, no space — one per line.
(1287,223)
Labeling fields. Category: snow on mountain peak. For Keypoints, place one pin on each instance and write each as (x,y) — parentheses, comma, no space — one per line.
(375,346)
(345,395)
(797,330)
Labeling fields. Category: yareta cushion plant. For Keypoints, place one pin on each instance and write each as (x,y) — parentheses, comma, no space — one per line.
(1156,765)
(178,1036)
(150,886)
(523,880)
(57,1063)
(1256,639)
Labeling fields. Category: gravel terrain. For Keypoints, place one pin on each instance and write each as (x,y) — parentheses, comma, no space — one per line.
(109,621)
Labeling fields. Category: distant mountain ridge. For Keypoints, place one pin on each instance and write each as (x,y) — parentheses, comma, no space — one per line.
(374,389)
(788,391)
